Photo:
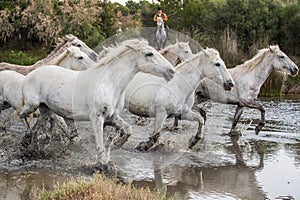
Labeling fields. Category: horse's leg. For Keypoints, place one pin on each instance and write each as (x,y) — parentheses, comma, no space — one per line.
(124,128)
(27,139)
(258,106)
(32,134)
(98,123)
(65,125)
(236,118)
(161,115)
(200,111)
(192,116)
(176,122)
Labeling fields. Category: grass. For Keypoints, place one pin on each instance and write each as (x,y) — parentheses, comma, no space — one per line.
(22,57)
(98,188)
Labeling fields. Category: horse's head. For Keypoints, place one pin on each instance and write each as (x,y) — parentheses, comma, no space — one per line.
(183,50)
(160,22)
(83,47)
(177,53)
(149,60)
(215,68)
(282,62)
(75,59)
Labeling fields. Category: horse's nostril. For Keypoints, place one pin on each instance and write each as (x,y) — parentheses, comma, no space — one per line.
(171,71)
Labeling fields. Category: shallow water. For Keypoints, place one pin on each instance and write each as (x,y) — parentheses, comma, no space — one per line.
(266,166)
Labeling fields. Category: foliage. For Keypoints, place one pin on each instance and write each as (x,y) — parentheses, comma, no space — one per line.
(237,28)
(99,187)
(44,21)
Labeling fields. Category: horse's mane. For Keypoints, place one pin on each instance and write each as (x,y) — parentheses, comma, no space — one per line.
(167,49)
(249,65)
(114,51)
(59,49)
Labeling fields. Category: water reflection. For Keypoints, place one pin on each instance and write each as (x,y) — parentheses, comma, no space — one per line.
(22,185)
(237,181)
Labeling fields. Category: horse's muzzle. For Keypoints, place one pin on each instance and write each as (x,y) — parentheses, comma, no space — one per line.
(228,85)
(169,74)
(294,71)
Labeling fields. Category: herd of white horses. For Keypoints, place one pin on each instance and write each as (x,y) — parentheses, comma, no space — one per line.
(76,83)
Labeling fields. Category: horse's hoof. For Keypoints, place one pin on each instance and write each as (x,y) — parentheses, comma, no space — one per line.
(26,141)
(258,128)
(156,147)
(141,147)
(3,129)
(234,132)
(119,142)
(105,168)
(175,128)
(193,141)
(141,121)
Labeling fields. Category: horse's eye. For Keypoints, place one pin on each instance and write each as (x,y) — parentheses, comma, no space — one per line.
(281,57)
(149,54)
(80,58)
(78,45)
(186,51)
(218,64)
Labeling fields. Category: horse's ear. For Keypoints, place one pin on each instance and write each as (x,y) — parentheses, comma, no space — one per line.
(70,50)
(204,51)
(273,48)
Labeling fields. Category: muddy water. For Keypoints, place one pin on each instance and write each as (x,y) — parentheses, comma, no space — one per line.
(220,167)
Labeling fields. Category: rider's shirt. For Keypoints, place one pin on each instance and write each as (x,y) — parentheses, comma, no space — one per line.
(162,15)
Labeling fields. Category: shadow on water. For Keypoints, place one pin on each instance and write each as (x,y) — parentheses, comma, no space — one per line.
(266,166)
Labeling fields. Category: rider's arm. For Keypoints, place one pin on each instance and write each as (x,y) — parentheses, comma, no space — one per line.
(165,17)
(154,18)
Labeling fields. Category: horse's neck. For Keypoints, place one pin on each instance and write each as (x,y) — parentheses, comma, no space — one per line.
(171,57)
(188,76)
(118,72)
(256,76)
(54,58)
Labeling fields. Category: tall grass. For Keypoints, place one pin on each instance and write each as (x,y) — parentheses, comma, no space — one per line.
(98,188)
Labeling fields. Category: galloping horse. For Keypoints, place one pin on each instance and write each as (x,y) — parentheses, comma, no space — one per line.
(96,94)
(249,78)
(11,81)
(161,34)
(150,96)
(54,57)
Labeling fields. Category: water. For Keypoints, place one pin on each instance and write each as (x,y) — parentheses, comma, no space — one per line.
(266,166)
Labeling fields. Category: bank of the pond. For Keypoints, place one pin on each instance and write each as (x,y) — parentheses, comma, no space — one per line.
(99,187)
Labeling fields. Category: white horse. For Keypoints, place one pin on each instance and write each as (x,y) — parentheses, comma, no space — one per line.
(96,94)
(177,53)
(161,34)
(55,57)
(150,96)
(11,81)
(249,77)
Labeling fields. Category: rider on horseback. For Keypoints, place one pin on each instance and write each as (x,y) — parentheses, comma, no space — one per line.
(162,15)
